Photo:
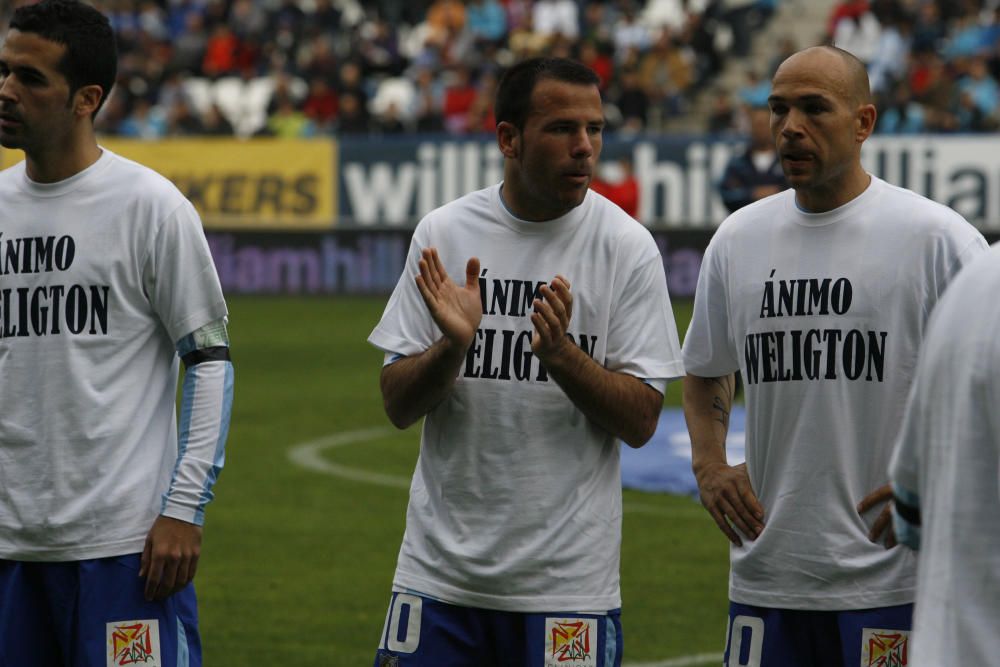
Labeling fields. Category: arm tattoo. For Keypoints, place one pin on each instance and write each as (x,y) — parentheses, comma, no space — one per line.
(722,401)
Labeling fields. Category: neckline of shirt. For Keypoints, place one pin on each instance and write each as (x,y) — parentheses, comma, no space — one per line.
(807,219)
(67,185)
(571,217)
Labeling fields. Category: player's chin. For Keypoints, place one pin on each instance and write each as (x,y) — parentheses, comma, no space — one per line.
(573,195)
(8,140)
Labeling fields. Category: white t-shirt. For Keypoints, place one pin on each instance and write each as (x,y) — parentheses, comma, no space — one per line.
(823,314)
(515,503)
(949,456)
(100,274)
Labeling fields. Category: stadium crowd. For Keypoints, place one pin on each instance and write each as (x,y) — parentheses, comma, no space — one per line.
(301,68)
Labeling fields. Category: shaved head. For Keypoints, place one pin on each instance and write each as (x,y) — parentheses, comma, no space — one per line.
(849,74)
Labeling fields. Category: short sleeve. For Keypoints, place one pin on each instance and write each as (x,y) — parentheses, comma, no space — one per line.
(179,275)
(642,333)
(407,327)
(709,350)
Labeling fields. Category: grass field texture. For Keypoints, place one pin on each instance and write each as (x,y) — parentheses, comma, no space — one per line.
(297,564)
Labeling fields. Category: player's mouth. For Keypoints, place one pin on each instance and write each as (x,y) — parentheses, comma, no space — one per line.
(9,120)
(577,177)
(796,158)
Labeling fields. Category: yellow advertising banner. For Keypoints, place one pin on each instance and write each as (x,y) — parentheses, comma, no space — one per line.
(265,184)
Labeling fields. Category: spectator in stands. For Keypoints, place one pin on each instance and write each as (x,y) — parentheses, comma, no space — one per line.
(215,124)
(390,121)
(859,35)
(379,51)
(755,172)
(980,86)
(633,103)
(353,118)
(755,91)
(287,121)
(248,20)
(903,115)
(220,52)
(666,75)
(599,20)
(525,42)
(556,17)
(320,105)
(889,64)
(969,116)
(316,58)
(934,87)
(446,19)
(723,116)
(144,122)
(459,94)
(591,55)
(481,119)
(486,21)
(929,30)
(428,101)
(739,15)
(190,45)
(182,121)
(630,35)
(617,182)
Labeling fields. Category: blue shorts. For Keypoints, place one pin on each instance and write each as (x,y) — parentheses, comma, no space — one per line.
(765,637)
(92,613)
(423,632)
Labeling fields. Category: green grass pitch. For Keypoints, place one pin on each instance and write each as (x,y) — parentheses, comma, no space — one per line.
(296,564)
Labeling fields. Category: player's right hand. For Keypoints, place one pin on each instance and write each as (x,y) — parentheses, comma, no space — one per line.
(456,310)
(728,496)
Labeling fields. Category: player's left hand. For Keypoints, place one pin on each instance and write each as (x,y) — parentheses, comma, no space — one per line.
(551,317)
(883,522)
(170,557)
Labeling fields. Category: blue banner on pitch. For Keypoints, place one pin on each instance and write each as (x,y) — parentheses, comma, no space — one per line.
(664,463)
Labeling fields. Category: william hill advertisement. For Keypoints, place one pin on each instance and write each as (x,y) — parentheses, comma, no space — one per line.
(264,184)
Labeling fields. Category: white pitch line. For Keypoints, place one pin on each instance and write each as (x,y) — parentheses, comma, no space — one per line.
(309,455)
(683,661)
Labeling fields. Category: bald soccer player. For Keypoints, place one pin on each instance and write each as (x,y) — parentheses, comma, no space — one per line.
(819,296)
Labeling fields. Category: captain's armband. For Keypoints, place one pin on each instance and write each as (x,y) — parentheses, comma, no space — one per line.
(207,343)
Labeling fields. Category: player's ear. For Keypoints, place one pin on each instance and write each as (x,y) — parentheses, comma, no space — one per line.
(508,139)
(865,121)
(86,100)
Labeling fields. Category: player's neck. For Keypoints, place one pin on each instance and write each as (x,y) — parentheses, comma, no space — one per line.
(835,194)
(59,163)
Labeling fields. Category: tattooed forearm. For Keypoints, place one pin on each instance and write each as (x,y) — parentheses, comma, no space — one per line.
(722,399)
(722,412)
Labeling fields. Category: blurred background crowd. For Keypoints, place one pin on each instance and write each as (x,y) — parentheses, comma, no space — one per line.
(301,68)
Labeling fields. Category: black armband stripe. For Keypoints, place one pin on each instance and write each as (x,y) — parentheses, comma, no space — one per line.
(195,357)
(909,513)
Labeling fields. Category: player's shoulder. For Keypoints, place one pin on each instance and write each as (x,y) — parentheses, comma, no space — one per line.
(754,218)
(916,209)
(12,175)
(463,211)
(144,182)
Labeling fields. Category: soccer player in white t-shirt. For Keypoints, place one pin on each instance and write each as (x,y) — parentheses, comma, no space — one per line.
(556,342)
(945,474)
(819,296)
(106,282)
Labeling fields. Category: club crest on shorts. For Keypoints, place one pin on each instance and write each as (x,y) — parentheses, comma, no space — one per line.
(385,660)
(884,648)
(571,642)
(134,643)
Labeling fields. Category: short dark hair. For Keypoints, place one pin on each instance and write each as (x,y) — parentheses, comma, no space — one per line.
(513,98)
(91,56)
